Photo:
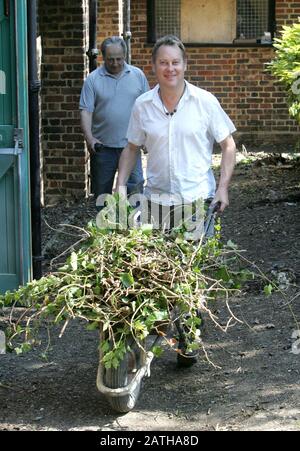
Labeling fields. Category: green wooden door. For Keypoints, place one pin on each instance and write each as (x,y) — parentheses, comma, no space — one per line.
(15,244)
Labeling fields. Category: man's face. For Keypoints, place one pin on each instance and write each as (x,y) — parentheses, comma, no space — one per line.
(169,66)
(114,59)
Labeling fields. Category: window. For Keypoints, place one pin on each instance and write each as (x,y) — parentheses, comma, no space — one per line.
(252,18)
(167,14)
(212,22)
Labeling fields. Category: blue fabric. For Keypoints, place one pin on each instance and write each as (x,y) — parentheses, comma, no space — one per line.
(104,165)
(111,99)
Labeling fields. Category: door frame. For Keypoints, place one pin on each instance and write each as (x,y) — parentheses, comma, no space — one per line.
(25,261)
(19,239)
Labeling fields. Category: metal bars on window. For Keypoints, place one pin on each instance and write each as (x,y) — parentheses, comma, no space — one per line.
(167,17)
(252,18)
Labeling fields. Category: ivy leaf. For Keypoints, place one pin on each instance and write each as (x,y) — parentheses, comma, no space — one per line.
(115,362)
(127,280)
(157,351)
(105,346)
(147,229)
(92,326)
(268,289)
(25,347)
(161,315)
(97,290)
(223,274)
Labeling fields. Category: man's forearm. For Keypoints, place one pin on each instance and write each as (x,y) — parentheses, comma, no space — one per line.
(227,167)
(86,126)
(227,162)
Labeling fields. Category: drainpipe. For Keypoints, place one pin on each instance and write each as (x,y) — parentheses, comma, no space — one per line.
(127,30)
(92,52)
(34,135)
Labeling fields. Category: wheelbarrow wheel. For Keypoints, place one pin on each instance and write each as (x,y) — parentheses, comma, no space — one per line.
(122,376)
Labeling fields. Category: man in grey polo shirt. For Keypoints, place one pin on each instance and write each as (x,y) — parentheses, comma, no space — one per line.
(107,97)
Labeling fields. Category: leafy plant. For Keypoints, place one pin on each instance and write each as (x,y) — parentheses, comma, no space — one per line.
(130,281)
(286,66)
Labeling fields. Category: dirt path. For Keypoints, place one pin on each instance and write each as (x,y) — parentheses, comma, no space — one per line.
(257,386)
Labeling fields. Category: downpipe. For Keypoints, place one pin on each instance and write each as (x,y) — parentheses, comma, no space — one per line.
(127,28)
(34,136)
(92,52)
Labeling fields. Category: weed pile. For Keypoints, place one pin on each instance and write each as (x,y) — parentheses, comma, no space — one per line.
(130,282)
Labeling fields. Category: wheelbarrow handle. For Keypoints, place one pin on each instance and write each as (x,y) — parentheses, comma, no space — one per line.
(210,214)
(215,207)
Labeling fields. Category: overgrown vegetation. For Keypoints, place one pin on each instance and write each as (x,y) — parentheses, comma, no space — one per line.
(286,66)
(130,281)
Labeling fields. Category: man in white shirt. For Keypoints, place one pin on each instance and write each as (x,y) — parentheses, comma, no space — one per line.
(178,123)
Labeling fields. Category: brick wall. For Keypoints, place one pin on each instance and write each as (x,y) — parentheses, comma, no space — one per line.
(237,76)
(63,27)
(109,16)
(287,12)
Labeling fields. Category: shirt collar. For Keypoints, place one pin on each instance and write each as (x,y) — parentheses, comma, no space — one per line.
(189,91)
(155,97)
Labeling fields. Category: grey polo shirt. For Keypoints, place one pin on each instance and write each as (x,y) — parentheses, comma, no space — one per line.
(111,99)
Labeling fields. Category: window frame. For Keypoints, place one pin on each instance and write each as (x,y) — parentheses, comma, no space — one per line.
(151,29)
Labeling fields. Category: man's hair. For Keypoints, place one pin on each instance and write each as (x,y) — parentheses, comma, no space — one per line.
(170,40)
(116,40)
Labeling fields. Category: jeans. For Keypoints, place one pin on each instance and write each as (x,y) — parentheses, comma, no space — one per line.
(174,216)
(104,165)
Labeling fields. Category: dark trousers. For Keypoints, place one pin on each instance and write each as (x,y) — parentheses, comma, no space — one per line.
(104,165)
(170,217)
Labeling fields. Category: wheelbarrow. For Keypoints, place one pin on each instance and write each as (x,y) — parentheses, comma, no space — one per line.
(121,386)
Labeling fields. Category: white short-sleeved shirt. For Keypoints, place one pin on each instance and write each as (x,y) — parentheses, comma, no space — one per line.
(179,146)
